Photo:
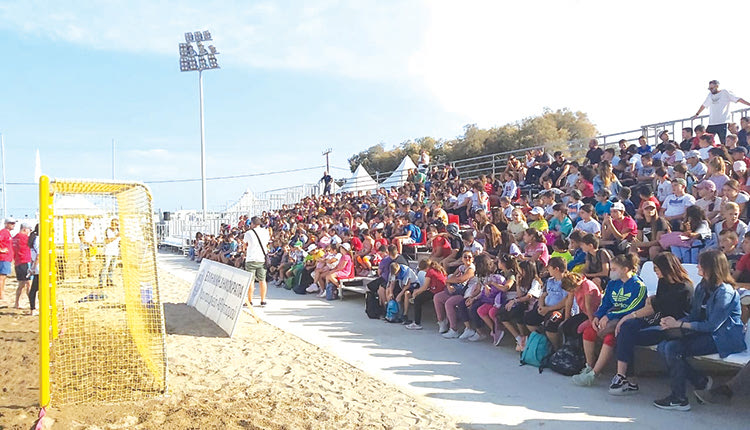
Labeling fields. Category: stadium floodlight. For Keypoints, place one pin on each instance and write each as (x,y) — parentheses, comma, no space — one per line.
(198,59)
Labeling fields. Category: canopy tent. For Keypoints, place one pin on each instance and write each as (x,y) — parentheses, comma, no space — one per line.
(399,176)
(360,181)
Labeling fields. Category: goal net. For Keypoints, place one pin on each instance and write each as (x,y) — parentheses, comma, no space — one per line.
(101,322)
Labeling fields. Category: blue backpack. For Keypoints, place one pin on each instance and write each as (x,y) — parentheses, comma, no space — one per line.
(537,352)
(392,311)
(332,293)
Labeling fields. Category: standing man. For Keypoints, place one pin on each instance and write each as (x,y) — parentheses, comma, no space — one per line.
(111,252)
(22,258)
(594,154)
(327,181)
(88,249)
(6,253)
(257,239)
(717,103)
(743,133)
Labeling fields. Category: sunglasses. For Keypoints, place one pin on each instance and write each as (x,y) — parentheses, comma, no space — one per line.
(467,257)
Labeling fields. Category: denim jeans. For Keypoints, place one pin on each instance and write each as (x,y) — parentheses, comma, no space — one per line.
(676,352)
(636,332)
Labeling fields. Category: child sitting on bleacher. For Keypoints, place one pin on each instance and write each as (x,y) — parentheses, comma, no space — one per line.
(578,261)
(625,293)
(561,249)
(597,261)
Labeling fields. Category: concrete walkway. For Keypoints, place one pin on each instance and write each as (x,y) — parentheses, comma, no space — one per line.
(482,386)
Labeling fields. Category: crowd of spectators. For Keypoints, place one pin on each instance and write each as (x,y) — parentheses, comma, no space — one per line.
(548,245)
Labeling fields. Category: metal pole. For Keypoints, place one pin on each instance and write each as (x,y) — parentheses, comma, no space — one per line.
(113,159)
(5,188)
(44,292)
(203,147)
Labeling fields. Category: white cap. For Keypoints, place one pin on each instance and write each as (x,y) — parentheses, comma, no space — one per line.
(346,246)
(617,206)
(312,248)
(378,226)
(537,211)
(10,220)
(739,166)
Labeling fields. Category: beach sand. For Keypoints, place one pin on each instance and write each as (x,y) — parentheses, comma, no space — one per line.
(263,378)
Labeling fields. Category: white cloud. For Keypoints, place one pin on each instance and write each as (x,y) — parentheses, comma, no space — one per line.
(364,39)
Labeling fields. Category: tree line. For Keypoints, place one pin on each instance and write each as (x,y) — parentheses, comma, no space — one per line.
(553,129)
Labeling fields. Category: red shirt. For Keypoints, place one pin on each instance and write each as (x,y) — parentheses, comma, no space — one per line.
(437,281)
(21,250)
(356,244)
(6,242)
(440,243)
(743,265)
(588,188)
(382,241)
(626,225)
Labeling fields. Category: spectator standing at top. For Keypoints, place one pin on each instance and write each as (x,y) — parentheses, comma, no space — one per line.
(327,181)
(22,259)
(717,103)
(257,239)
(6,253)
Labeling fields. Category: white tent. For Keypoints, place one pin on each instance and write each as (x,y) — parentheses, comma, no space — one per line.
(360,181)
(399,176)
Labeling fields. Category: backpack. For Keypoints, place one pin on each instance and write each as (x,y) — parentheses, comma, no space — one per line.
(569,360)
(392,312)
(537,351)
(372,305)
(332,292)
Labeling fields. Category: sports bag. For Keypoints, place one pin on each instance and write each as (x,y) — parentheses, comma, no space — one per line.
(537,351)
(372,305)
(569,360)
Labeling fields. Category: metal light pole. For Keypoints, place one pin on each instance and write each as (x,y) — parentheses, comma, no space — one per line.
(190,61)
(328,166)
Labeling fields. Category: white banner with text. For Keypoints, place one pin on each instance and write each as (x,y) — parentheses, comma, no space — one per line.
(219,292)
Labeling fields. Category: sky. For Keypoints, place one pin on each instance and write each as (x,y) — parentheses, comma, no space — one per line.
(299,77)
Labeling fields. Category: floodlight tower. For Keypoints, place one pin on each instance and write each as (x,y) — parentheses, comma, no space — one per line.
(191,61)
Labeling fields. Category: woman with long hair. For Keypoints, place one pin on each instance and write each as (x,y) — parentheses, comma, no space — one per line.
(641,328)
(528,288)
(605,178)
(712,326)
(650,229)
(34,247)
(492,239)
(434,283)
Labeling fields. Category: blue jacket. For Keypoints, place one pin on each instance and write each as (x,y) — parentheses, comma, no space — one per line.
(621,298)
(722,318)
(578,258)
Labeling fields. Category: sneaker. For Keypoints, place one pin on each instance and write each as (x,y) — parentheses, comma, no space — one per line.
(719,395)
(262,304)
(672,403)
(406,321)
(467,334)
(584,379)
(414,326)
(497,337)
(322,294)
(519,343)
(621,386)
(34,313)
(476,337)
(312,289)
(443,326)
(451,334)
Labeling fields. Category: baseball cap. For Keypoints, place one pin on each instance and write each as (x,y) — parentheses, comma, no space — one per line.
(27,225)
(693,154)
(649,203)
(312,248)
(346,246)
(739,149)
(378,226)
(10,220)
(710,185)
(452,228)
(537,211)
(739,166)
(617,206)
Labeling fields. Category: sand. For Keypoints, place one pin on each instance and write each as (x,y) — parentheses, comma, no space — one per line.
(263,378)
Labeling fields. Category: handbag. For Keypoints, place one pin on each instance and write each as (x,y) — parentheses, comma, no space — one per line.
(262,248)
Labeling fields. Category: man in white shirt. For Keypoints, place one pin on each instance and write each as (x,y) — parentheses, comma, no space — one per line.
(111,251)
(695,165)
(257,239)
(676,204)
(717,103)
